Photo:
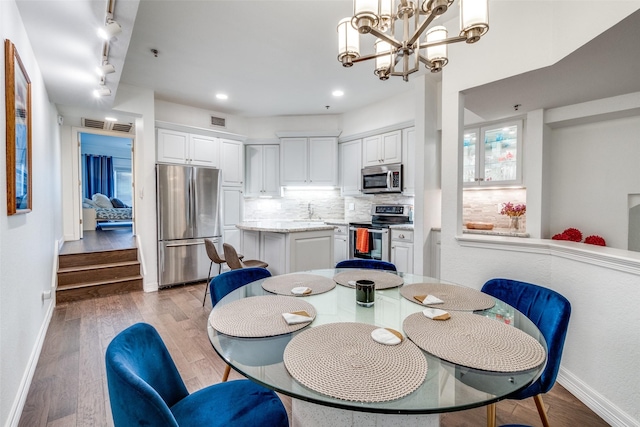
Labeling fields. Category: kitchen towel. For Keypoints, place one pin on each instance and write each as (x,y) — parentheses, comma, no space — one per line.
(362,240)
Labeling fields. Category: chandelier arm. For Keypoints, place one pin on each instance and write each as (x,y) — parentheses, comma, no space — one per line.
(416,35)
(393,42)
(445,41)
(367,57)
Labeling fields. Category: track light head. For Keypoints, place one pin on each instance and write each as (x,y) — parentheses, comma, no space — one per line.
(105,69)
(110,30)
(102,91)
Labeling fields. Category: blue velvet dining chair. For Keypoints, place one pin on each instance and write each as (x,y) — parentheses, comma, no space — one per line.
(550,312)
(145,388)
(229,281)
(366,263)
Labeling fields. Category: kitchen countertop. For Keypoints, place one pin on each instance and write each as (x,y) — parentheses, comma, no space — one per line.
(495,232)
(284,226)
(408,227)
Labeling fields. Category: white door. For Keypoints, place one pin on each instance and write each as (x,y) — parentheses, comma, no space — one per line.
(323,161)
(253,170)
(173,146)
(350,167)
(293,161)
(204,151)
(232,163)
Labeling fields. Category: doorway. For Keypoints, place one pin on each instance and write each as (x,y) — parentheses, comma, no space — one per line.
(105,173)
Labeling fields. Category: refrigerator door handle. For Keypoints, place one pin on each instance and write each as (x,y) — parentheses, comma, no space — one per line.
(178,245)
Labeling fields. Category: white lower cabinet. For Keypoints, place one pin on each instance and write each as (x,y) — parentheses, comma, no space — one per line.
(340,243)
(231,215)
(402,250)
(288,252)
(435,254)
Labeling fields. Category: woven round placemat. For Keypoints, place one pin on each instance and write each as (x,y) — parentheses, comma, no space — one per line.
(259,316)
(383,280)
(475,341)
(454,297)
(341,360)
(283,284)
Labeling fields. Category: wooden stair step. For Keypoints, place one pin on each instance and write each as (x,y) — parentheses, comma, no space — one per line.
(97,258)
(102,272)
(97,283)
(98,289)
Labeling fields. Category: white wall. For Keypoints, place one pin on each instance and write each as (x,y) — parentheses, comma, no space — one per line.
(397,109)
(601,379)
(594,168)
(197,117)
(264,128)
(28,242)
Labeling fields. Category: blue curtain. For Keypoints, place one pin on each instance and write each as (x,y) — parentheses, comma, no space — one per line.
(98,175)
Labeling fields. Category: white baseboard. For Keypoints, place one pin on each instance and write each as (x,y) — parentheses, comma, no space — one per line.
(595,401)
(25,384)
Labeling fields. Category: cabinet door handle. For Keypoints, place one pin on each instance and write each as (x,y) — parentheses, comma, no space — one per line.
(401,236)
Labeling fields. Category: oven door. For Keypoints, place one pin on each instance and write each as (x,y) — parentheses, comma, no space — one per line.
(376,246)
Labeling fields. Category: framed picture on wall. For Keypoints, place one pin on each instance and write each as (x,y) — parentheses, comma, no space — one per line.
(18,110)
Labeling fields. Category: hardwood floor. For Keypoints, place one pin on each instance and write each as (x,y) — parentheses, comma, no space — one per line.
(69,385)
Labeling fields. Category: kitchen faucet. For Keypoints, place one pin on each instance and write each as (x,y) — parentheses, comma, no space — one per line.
(310,210)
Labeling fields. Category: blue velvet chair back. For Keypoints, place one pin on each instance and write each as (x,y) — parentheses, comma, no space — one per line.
(142,379)
(366,263)
(549,311)
(231,280)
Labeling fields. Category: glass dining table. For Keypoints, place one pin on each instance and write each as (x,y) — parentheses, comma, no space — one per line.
(448,386)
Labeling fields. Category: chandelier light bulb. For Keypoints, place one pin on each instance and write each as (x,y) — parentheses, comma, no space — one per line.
(348,43)
(474,19)
(365,15)
(437,55)
(383,62)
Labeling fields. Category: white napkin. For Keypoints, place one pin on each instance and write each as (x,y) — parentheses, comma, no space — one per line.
(301,290)
(295,318)
(352,283)
(429,299)
(436,314)
(385,336)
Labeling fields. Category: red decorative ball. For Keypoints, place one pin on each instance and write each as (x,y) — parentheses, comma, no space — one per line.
(595,240)
(573,234)
(560,236)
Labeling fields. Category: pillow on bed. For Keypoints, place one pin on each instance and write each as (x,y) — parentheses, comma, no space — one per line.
(88,203)
(117,203)
(101,201)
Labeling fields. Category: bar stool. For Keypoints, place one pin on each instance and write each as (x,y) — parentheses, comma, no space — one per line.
(213,255)
(235,262)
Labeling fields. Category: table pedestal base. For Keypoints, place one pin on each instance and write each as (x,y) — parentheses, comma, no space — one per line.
(305,414)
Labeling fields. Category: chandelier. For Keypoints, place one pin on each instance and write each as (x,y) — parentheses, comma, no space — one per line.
(402,56)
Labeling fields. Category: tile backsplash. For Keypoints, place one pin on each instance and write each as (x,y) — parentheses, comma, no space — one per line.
(485,205)
(317,205)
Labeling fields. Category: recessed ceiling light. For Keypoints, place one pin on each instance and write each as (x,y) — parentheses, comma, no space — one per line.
(337,93)
(222,96)
(111,119)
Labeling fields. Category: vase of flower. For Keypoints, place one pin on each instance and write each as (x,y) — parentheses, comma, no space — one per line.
(514,224)
(514,212)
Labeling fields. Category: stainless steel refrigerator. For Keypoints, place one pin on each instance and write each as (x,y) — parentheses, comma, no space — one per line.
(188,212)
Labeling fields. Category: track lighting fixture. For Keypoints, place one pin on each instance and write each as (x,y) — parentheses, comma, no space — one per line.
(102,91)
(110,30)
(105,69)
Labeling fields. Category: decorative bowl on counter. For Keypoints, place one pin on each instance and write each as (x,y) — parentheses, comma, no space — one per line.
(479,226)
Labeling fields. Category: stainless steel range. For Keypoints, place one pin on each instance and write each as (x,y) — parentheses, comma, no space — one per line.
(370,239)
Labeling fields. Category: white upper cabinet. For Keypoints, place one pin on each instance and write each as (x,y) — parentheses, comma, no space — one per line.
(186,148)
(492,155)
(382,149)
(232,161)
(409,161)
(309,161)
(350,167)
(262,170)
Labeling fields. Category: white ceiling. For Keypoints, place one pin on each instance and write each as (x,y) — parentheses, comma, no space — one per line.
(276,58)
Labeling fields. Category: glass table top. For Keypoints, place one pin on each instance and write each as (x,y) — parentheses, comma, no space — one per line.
(447,387)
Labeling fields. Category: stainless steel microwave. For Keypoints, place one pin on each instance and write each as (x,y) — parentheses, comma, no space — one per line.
(382,179)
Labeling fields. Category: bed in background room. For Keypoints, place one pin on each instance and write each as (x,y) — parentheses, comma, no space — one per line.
(101,210)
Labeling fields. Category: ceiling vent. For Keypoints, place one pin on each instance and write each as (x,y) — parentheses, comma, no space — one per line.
(107,125)
(219,121)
